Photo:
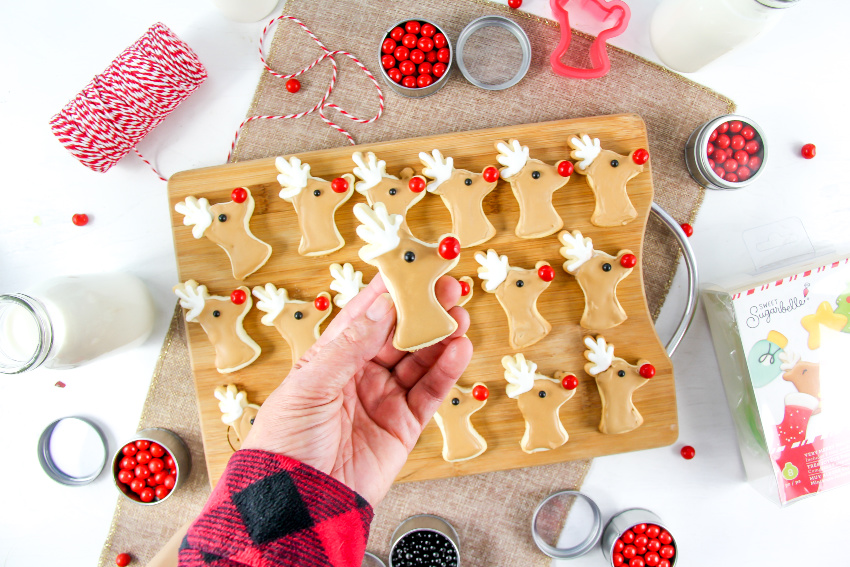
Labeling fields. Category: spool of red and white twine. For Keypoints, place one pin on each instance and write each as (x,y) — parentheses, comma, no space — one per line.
(119,107)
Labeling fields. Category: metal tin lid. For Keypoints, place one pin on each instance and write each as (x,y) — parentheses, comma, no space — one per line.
(566,525)
(498,22)
(72,451)
(777,3)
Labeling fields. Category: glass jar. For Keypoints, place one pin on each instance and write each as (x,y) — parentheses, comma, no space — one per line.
(68,321)
(689,34)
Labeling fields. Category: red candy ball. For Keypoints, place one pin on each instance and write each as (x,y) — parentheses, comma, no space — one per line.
(238,297)
(628,261)
(439,69)
(293,85)
(321,303)
(126,476)
(732,177)
(159,477)
(440,41)
(640,156)
(161,492)
(641,540)
(464,288)
(169,481)
(653,545)
(652,559)
(710,149)
(401,53)
(147,494)
(619,545)
(720,172)
(80,219)
(628,536)
(169,461)
(397,33)
(156,465)
(742,157)
(711,164)
(639,529)
(491,174)
(417,56)
(409,82)
(630,551)
(652,531)
(664,563)
(425,69)
(424,80)
(127,463)
(409,41)
(687,229)
(565,168)
(123,559)
(637,562)
(665,537)
(425,44)
(617,559)
(688,452)
(388,62)
(808,151)
(546,273)
(431,57)
(143,457)
(744,173)
(480,393)
(143,444)
(427,30)
(416,184)
(570,382)
(667,552)
(395,74)
(754,163)
(752,147)
(444,55)
(515,4)
(647,371)
(737,142)
(719,155)
(339,185)
(239,195)
(723,128)
(748,132)
(129,450)
(137,485)
(713,136)
(449,248)
(735,126)
(722,141)
(388,46)
(407,67)
(142,472)
(412,27)
(730,164)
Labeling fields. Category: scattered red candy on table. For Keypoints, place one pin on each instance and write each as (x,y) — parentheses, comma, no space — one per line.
(515,4)
(808,151)
(688,453)
(80,219)
(293,85)
(123,559)
(687,229)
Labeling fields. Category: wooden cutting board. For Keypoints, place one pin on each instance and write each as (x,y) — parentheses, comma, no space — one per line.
(500,422)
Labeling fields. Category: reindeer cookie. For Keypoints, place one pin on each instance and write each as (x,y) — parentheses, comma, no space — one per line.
(347,283)
(539,399)
(533,184)
(466,290)
(397,195)
(236,412)
(461,441)
(221,318)
(297,321)
(804,375)
(598,275)
(226,224)
(617,381)
(315,201)
(607,173)
(410,269)
(517,290)
(463,193)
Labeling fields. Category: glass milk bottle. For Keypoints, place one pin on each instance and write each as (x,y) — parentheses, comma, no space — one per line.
(689,34)
(68,321)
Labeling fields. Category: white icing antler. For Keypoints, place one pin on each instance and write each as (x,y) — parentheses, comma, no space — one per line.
(493,270)
(346,282)
(192,297)
(195,212)
(513,157)
(272,300)
(437,168)
(585,149)
(372,171)
(232,403)
(600,354)
(379,230)
(789,360)
(577,250)
(293,176)
(519,373)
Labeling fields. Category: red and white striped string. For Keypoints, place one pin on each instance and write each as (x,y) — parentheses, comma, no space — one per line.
(119,107)
(323,104)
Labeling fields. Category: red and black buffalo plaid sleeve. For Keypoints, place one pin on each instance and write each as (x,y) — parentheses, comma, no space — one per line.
(270,510)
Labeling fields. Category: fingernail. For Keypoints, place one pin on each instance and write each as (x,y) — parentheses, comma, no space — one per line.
(379,308)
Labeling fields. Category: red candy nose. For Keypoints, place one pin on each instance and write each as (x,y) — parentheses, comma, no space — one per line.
(449,248)
(238,296)
(416,184)
(640,156)
(647,371)
(569,382)
(628,261)
(565,168)
(480,393)
(321,303)
(546,273)
(339,185)
(239,195)
(491,174)
(464,288)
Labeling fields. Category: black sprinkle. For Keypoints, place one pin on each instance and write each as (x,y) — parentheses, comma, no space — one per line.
(455,401)
(222,217)
(621,373)
(393,191)
(317,192)
(467,181)
(614,163)
(606,267)
(535,175)
(409,256)
(520,283)
(216,313)
(298,315)
(541,393)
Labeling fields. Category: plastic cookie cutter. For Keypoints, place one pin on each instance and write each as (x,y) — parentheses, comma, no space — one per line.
(613,14)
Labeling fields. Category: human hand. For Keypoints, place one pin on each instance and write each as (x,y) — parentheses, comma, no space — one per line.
(354,406)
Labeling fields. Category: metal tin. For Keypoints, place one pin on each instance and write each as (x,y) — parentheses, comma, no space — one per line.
(423,91)
(47,463)
(626,520)
(424,523)
(696,159)
(593,534)
(172,443)
(516,31)
(371,560)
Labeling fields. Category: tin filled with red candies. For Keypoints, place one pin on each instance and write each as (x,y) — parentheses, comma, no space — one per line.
(416,57)
(424,541)
(638,537)
(728,152)
(151,466)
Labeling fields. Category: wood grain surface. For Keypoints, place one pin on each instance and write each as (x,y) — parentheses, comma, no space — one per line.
(500,422)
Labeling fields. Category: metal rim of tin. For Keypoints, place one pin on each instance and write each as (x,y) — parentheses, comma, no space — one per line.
(373,558)
(428,523)
(696,159)
(173,444)
(625,520)
(420,92)
(577,550)
(501,22)
(45,459)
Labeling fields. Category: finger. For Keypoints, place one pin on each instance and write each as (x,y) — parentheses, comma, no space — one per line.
(425,397)
(415,364)
(354,308)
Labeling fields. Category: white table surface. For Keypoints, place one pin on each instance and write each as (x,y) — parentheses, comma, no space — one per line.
(792,81)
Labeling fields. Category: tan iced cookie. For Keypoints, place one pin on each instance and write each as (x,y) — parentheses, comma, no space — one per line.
(315,201)
(397,195)
(517,291)
(221,320)
(410,268)
(533,184)
(598,275)
(236,412)
(607,174)
(467,288)
(227,224)
(617,381)
(822,316)
(539,399)
(297,321)
(461,441)
(463,194)
(347,283)
(804,375)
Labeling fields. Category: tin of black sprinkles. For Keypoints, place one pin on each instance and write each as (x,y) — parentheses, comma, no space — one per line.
(425,548)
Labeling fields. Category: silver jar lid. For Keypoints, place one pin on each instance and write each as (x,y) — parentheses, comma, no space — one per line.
(566,525)
(72,451)
(498,22)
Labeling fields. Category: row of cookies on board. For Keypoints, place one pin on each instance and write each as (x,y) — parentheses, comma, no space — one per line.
(316,200)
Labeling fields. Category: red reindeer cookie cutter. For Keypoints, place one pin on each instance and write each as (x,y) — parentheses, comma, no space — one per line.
(613,13)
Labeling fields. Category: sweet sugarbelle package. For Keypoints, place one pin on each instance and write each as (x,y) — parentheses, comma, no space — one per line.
(783,346)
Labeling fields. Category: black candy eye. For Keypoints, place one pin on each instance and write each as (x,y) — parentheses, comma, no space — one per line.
(455,401)
(535,175)
(409,256)
(467,181)
(621,373)
(614,163)
(298,315)
(222,217)
(252,421)
(541,393)
(606,267)
(317,192)
(520,283)
(216,313)
(393,191)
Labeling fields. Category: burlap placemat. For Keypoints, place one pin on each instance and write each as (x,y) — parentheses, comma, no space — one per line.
(492,512)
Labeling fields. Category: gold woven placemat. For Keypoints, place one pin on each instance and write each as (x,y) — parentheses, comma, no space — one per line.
(492,512)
